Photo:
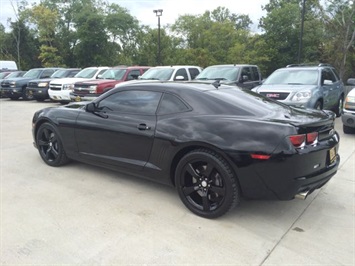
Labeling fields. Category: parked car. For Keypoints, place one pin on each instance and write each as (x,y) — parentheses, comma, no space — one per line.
(38,88)
(214,143)
(10,75)
(15,88)
(90,89)
(348,115)
(245,76)
(306,86)
(171,73)
(59,89)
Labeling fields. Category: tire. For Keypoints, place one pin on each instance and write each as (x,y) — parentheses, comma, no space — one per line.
(348,130)
(318,105)
(206,184)
(50,145)
(26,95)
(338,109)
(14,98)
(39,99)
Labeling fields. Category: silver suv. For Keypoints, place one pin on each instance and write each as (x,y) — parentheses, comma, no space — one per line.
(306,86)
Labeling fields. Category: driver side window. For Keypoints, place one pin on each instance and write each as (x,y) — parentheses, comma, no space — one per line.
(132,102)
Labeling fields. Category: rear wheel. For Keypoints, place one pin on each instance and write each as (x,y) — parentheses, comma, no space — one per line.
(50,145)
(206,184)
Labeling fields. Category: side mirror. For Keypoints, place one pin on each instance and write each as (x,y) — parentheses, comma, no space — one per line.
(90,107)
(327,82)
(179,78)
(351,81)
(99,76)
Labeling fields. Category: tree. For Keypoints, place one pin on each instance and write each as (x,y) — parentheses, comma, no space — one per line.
(339,16)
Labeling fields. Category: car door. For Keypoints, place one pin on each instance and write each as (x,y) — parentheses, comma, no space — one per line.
(330,88)
(121,130)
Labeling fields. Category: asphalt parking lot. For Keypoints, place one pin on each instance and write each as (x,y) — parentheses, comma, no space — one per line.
(84,215)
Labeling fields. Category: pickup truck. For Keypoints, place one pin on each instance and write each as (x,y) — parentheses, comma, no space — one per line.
(15,88)
(90,89)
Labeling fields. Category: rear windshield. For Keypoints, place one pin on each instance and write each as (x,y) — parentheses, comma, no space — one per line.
(248,102)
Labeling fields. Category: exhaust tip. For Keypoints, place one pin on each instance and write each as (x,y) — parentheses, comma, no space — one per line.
(302,195)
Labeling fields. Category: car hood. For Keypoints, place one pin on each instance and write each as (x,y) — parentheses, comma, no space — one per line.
(283,88)
(352,92)
(67,80)
(99,81)
(18,79)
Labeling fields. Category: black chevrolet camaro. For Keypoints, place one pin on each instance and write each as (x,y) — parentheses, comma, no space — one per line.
(214,143)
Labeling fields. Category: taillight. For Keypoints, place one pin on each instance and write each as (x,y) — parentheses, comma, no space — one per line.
(312,138)
(300,140)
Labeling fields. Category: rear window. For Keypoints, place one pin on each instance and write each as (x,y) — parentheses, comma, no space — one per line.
(248,102)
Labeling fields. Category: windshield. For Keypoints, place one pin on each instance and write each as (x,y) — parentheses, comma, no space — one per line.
(116,74)
(61,73)
(293,76)
(15,75)
(3,74)
(219,73)
(33,73)
(158,73)
(87,73)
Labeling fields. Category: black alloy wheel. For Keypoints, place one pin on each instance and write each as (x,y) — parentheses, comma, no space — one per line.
(206,184)
(50,145)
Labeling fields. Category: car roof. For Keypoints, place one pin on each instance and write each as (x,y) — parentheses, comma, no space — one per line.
(172,85)
(232,65)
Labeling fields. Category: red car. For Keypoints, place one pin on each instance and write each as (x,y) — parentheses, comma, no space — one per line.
(91,89)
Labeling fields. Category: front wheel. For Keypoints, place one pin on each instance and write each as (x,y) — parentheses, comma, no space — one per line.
(27,95)
(50,145)
(206,184)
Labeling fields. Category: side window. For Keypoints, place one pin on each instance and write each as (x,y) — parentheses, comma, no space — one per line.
(194,72)
(47,73)
(101,72)
(132,102)
(171,104)
(246,74)
(256,75)
(181,72)
(327,76)
(134,74)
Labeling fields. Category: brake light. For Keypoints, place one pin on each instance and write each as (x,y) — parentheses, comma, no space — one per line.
(312,137)
(300,140)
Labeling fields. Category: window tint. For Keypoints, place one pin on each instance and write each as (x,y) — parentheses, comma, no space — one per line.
(194,72)
(134,74)
(132,101)
(246,73)
(327,74)
(256,75)
(181,72)
(47,73)
(171,104)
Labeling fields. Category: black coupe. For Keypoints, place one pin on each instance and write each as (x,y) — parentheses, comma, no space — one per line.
(214,143)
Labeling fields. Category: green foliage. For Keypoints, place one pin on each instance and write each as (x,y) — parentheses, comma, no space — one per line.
(81,33)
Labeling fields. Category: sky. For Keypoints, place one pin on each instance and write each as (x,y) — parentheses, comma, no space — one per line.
(172,9)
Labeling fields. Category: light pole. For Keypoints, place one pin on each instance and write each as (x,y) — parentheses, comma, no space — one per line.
(301,32)
(158,13)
